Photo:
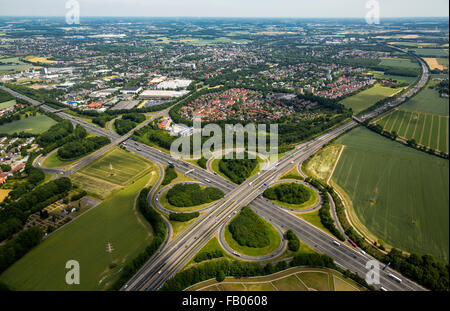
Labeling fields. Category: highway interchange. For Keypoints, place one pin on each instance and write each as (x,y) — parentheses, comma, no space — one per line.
(173,255)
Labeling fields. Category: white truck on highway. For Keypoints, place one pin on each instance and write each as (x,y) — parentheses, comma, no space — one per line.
(395,278)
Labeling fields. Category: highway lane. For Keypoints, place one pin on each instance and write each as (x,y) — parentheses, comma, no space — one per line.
(245,195)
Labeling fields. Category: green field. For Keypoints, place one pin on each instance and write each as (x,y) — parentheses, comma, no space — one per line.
(397,193)
(86,240)
(368,98)
(409,80)
(431,52)
(429,101)
(398,62)
(429,130)
(117,166)
(294,279)
(98,179)
(7,104)
(12,64)
(35,125)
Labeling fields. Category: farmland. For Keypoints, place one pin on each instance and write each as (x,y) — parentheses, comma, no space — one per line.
(431,52)
(423,118)
(115,169)
(398,62)
(35,125)
(294,279)
(103,240)
(368,98)
(429,130)
(428,101)
(433,63)
(13,64)
(395,193)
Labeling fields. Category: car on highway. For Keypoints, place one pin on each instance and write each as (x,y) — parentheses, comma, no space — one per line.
(138,149)
(336,243)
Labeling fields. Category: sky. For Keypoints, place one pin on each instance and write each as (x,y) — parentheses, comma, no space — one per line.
(227,8)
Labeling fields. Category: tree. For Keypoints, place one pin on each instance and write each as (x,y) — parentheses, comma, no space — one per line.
(220,276)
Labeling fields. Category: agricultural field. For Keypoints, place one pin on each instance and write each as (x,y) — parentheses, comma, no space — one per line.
(431,52)
(409,80)
(294,279)
(112,171)
(102,240)
(398,62)
(429,130)
(7,104)
(429,101)
(13,64)
(43,60)
(433,63)
(35,125)
(395,193)
(368,98)
(423,118)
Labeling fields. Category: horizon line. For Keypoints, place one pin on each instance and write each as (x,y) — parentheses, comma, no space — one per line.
(276,17)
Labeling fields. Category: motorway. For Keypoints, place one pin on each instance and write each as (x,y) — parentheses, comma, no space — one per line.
(175,254)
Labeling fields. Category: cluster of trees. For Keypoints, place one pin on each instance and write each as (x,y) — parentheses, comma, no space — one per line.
(202,162)
(424,269)
(74,142)
(14,213)
(17,247)
(208,255)
(128,122)
(442,87)
(5,96)
(78,148)
(102,119)
(238,170)
(43,96)
(159,137)
(185,195)
(54,136)
(78,196)
(183,217)
(291,193)
(326,219)
(169,175)
(223,267)
(249,230)
(293,241)
(296,132)
(159,230)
